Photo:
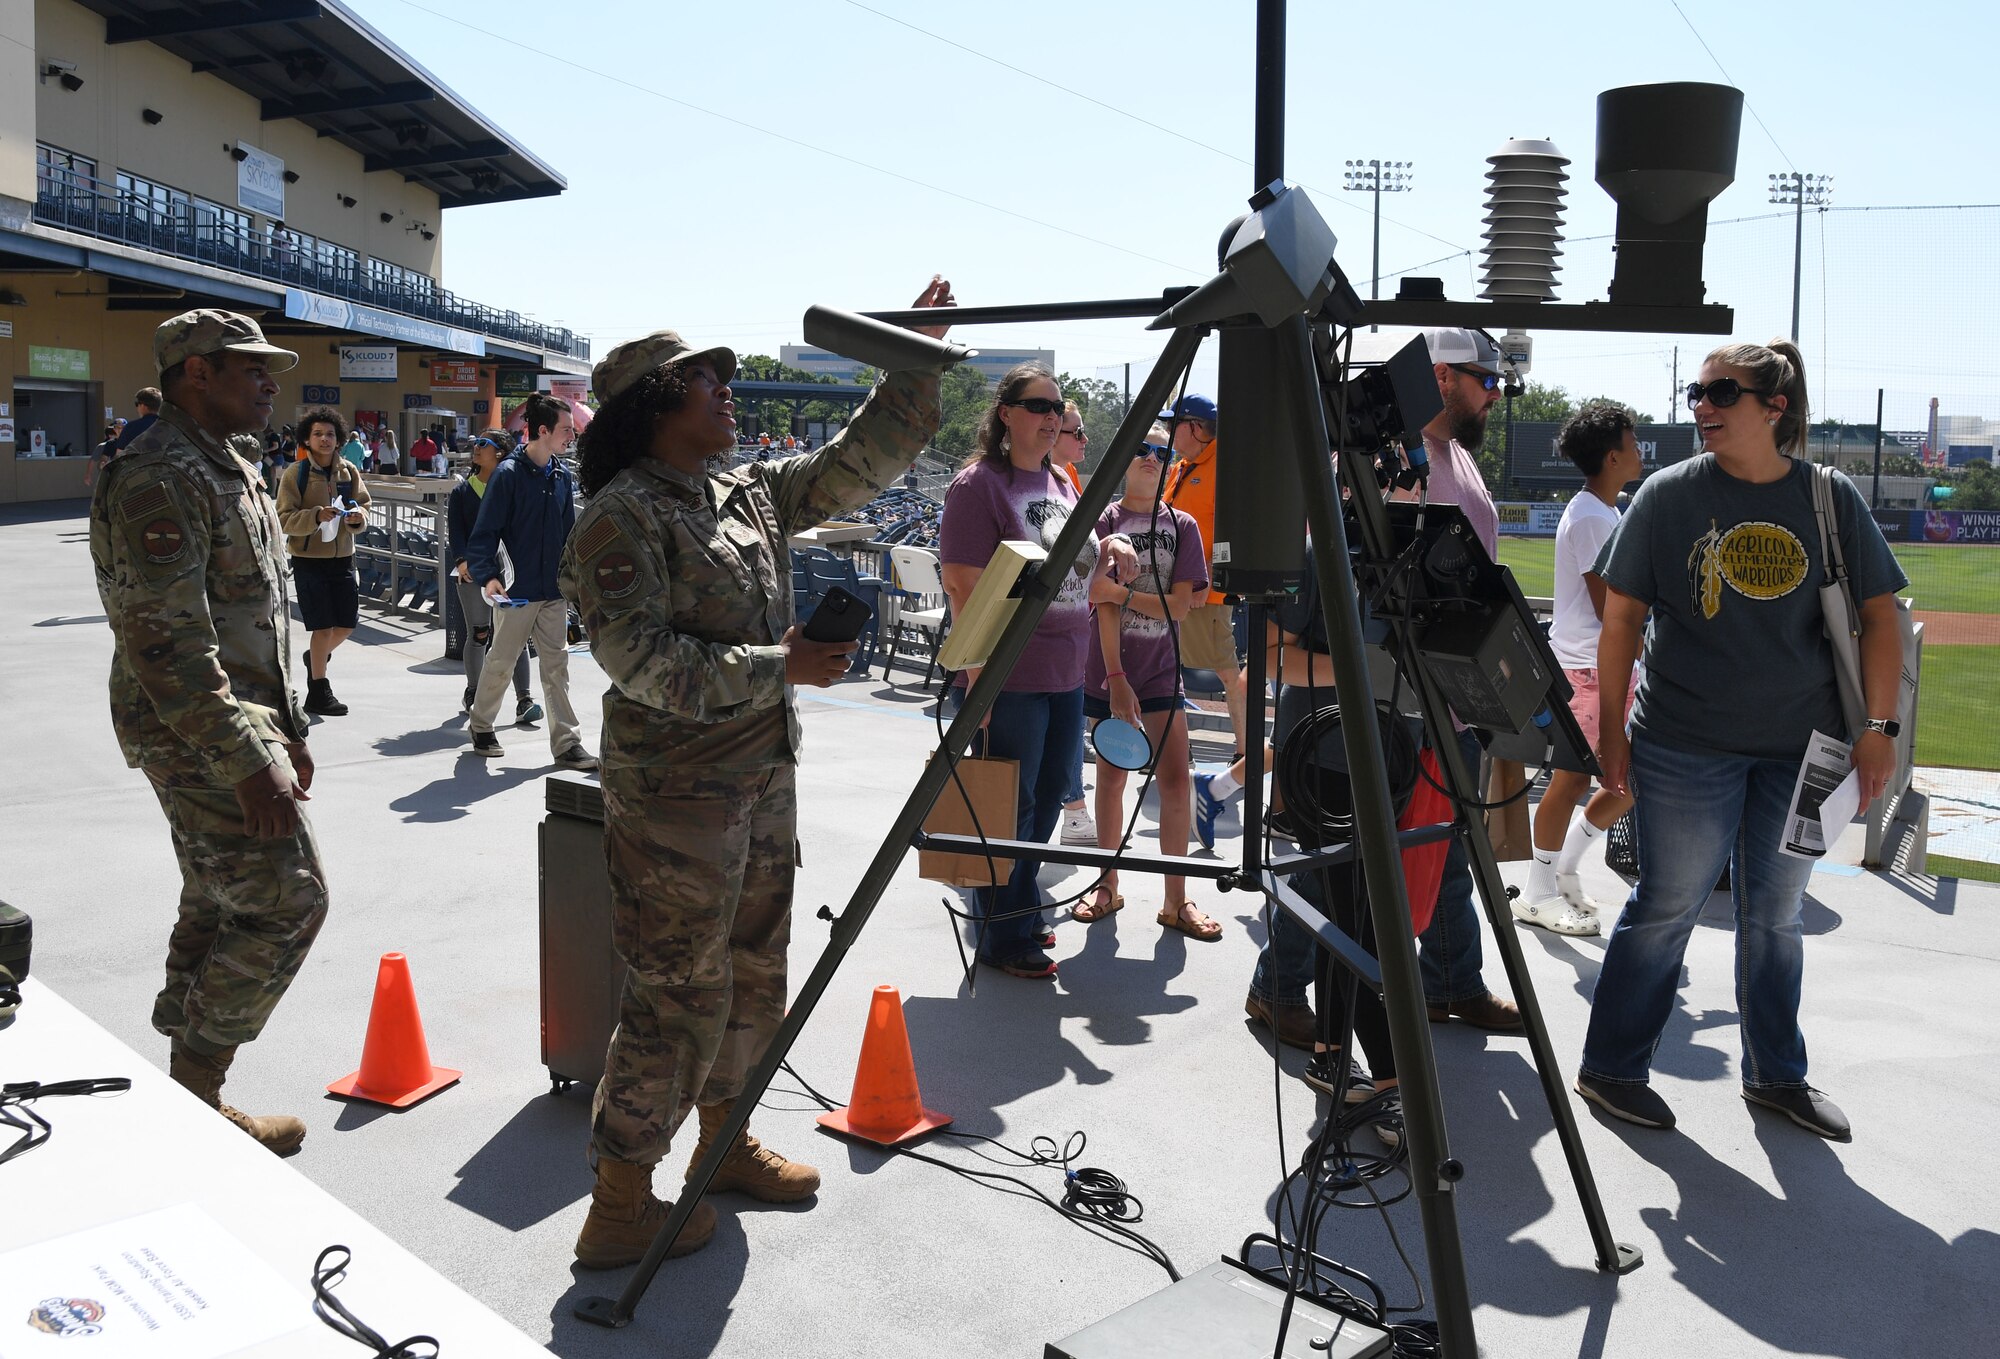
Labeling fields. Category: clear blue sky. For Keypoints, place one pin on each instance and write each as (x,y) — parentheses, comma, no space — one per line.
(1020,188)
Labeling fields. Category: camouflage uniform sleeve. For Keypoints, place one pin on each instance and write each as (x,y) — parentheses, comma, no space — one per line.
(156,600)
(618,581)
(899,417)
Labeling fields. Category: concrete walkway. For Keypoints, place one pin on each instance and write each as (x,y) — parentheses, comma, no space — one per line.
(1759,1238)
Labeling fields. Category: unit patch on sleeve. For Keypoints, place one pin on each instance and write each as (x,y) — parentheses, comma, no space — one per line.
(616,574)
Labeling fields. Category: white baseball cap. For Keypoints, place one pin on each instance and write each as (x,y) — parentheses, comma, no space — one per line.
(1457,345)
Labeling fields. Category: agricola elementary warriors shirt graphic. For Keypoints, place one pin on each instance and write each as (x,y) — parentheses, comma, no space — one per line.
(1757,560)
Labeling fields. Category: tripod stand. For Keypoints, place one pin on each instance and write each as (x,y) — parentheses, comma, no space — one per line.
(1279,273)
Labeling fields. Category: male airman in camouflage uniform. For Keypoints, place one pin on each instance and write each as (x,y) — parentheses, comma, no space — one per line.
(683,579)
(190,564)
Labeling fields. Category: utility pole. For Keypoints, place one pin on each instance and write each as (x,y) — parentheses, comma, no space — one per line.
(1800,190)
(1377,177)
(1875,496)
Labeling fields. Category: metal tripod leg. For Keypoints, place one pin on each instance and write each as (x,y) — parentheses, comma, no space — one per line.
(1434,1174)
(1616,1257)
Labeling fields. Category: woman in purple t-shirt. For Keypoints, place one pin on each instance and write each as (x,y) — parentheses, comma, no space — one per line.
(1134,672)
(1009,490)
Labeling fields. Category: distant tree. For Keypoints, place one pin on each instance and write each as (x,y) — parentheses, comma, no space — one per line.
(1537,401)
(965,398)
(1639,417)
(1898,465)
(1103,407)
(774,414)
(1976,487)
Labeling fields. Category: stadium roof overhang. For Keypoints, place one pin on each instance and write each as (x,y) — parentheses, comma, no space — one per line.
(317,62)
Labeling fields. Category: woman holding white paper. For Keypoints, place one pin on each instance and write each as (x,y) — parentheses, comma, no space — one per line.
(321,502)
(1724,552)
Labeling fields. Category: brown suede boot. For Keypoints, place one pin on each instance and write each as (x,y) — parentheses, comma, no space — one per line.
(751,1167)
(203,1076)
(625,1217)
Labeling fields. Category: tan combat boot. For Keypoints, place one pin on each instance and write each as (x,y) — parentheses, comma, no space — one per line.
(203,1076)
(625,1217)
(751,1167)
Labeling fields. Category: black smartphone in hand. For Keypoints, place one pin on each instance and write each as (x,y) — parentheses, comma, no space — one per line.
(840,617)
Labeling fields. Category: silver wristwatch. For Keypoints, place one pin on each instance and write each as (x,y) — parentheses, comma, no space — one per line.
(1888,726)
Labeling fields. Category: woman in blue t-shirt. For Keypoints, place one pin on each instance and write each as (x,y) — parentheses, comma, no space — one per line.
(1724,550)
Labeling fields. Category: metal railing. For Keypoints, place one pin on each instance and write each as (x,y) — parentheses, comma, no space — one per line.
(93,207)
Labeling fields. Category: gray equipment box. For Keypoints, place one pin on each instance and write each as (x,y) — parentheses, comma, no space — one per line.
(581,973)
(1222,1310)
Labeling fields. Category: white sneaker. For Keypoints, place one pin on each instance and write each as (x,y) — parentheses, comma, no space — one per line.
(1555,915)
(1079,829)
(1569,886)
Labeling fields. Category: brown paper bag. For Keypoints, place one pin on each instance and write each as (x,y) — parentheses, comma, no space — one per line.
(993,785)
(1508,827)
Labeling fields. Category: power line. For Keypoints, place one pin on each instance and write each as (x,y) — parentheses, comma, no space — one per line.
(1122,113)
(542,53)
(1731,79)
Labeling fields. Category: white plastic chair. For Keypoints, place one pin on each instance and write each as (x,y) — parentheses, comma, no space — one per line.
(920,586)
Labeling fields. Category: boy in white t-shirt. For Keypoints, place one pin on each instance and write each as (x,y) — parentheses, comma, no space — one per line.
(1603,443)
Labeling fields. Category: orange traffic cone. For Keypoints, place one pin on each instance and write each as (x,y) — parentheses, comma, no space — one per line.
(396,1065)
(885,1106)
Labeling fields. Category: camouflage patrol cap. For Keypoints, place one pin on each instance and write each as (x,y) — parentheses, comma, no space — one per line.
(625,365)
(209,331)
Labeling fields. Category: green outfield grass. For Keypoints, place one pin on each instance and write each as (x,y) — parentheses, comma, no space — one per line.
(1533,562)
(1955,709)
(1962,578)
(1972,870)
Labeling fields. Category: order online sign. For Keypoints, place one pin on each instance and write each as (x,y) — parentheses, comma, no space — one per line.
(165,1285)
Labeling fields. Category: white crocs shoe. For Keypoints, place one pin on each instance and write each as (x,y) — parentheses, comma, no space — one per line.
(1569,886)
(1555,915)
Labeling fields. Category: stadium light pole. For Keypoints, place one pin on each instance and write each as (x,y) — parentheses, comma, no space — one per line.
(1378,177)
(1800,190)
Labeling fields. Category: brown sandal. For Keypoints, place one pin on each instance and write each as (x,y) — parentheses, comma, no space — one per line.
(1190,922)
(1088,912)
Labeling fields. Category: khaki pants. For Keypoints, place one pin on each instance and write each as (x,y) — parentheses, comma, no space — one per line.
(547,621)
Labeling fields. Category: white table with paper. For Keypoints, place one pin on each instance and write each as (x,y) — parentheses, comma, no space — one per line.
(213,1259)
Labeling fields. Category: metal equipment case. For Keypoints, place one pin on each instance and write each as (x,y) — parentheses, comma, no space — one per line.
(581,973)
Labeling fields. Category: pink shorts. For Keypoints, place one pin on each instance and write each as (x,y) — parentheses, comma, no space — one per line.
(1583,704)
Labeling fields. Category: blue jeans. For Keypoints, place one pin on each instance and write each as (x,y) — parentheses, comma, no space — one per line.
(1044,733)
(1285,964)
(1695,812)
(1450,953)
(1074,793)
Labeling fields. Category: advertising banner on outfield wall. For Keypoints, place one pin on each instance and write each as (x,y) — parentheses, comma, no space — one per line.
(1954,526)
(1533,459)
(1529,521)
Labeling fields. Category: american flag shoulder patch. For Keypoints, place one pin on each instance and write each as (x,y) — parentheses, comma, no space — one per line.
(146,500)
(601,534)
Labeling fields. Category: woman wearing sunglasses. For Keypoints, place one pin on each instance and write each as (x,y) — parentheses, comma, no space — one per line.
(1724,551)
(1067,456)
(1010,489)
(1134,672)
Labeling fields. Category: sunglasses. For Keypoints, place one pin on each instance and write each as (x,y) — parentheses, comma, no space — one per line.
(1487,381)
(1076,434)
(1721,393)
(1037,405)
(1156,452)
